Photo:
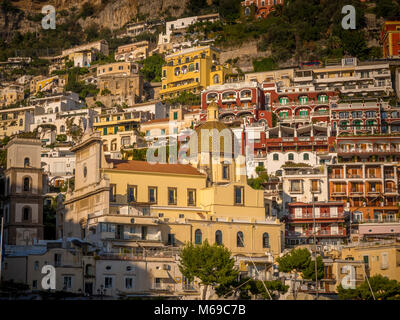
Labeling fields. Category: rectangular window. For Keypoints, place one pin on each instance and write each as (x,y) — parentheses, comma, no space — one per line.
(239,195)
(298,212)
(295,186)
(68,282)
(129,283)
(107,227)
(191,197)
(314,186)
(57,259)
(175,115)
(153,194)
(132,193)
(171,239)
(172,196)
(34,284)
(113,192)
(366,260)
(225,172)
(108,282)
(384,260)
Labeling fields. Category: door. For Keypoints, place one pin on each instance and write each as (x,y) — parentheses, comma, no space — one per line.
(89,288)
(120,232)
(144,233)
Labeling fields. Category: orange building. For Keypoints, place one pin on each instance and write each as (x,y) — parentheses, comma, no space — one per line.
(259,8)
(390,39)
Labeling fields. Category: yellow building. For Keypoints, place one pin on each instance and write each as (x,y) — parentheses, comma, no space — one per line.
(117,68)
(192,70)
(119,129)
(16,120)
(179,119)
(127,205)
(11,94)
(379,257)
(44,84)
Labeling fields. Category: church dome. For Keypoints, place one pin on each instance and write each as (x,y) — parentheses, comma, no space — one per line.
(214,129)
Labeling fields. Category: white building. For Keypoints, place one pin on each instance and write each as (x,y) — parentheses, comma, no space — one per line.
(304,184)
(58,164)
(181,24)
(57,109)
(350,77)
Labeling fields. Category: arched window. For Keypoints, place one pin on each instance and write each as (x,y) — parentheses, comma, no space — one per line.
(247,11)
(216,78)
(275,157)
(240,239)
(26,213)
(62,129)
(265,240)
(21,122)
(218,237)
(291,157)
(27,184)
(177,71)
(26,162)
(198,237)
(306,157)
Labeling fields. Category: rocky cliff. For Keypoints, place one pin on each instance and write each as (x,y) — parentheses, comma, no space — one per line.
(113,14)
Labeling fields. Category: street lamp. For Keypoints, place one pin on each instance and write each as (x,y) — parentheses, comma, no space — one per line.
(101,291)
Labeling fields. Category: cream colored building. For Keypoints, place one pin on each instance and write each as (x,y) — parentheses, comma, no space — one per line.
(16,120)
(11,94)
(132,52)
(283,77)
(380,257)
(128,205)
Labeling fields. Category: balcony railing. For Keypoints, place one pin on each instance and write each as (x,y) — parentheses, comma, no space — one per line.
(321,216)
(381,220)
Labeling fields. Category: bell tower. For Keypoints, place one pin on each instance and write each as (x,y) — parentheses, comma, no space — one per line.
(23,210)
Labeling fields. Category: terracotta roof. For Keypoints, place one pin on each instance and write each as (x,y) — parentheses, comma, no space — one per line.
(144,166)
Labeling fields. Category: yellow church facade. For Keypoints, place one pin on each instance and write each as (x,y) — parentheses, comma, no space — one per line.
(130,204)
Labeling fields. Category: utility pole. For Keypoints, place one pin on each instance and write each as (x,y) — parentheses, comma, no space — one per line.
(315,246)
(1,245)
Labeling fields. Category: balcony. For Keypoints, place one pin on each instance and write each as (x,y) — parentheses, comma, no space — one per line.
(368,150)
(374,191)
(322,216)
(356,192)
(354,176)
(339,193)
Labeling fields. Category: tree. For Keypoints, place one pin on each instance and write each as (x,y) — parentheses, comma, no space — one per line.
(213,265)
(246,287)
(383,288)
(152,67)
(299,260)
